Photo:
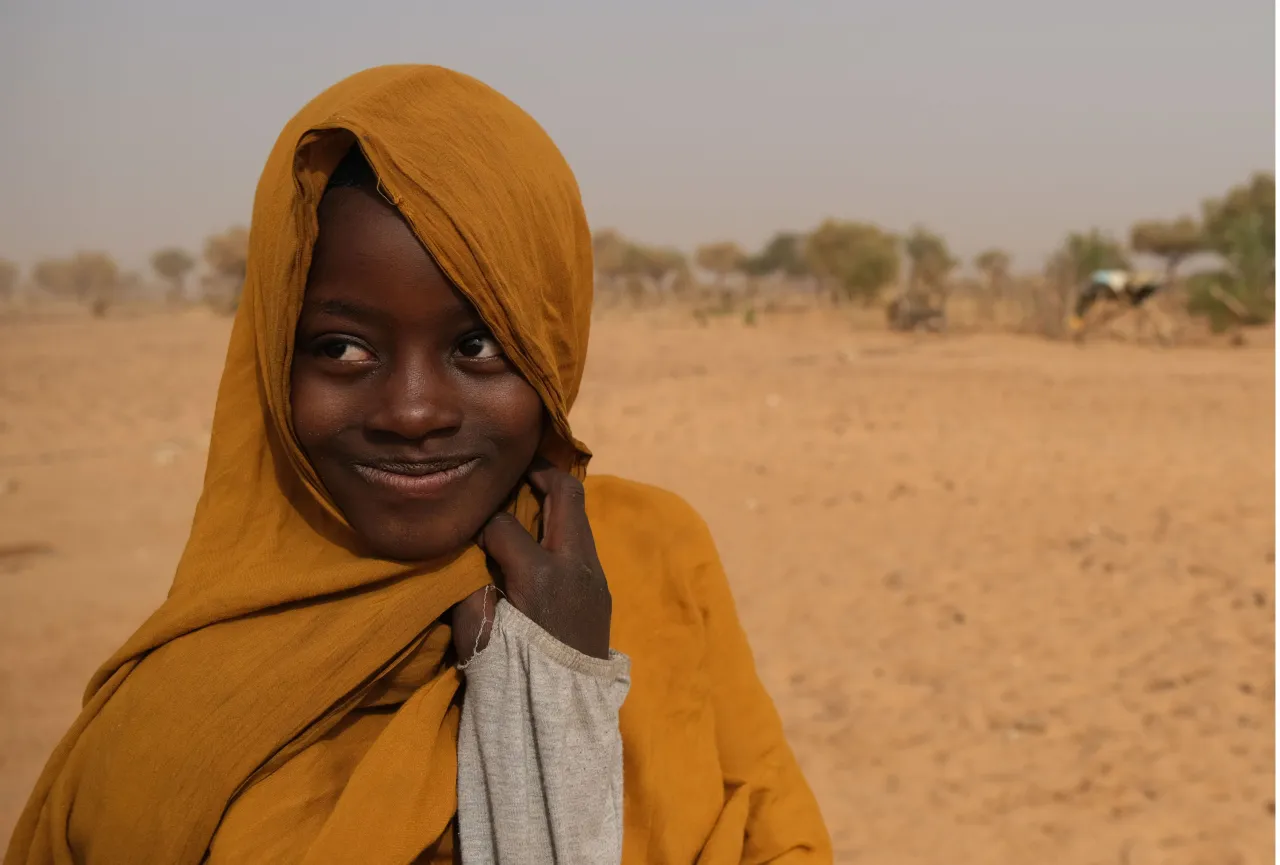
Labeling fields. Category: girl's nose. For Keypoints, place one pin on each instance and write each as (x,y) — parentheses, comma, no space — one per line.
(417,400)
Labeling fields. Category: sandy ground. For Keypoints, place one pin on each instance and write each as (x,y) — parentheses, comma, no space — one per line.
(1014,599)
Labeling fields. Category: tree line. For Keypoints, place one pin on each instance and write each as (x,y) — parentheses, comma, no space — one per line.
(844,260)
(94,279)
(857,261)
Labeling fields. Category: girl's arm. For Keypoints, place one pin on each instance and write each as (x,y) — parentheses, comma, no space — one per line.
(539,752)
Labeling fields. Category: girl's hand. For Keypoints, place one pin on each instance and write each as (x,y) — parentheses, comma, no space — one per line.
(559,584)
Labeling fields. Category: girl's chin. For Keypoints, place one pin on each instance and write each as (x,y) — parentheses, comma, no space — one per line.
(414,547)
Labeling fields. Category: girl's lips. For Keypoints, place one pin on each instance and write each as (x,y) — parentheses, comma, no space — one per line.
(416,481)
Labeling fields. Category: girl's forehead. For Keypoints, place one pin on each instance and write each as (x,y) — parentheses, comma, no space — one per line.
(370,267)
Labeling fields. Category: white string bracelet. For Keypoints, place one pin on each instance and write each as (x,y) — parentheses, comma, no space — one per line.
(484,619)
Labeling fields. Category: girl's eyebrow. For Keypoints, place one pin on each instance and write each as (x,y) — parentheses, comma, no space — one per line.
(349,309)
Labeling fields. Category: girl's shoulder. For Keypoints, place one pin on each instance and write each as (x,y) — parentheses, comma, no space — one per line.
(611,498)
(660,561)
(635,513)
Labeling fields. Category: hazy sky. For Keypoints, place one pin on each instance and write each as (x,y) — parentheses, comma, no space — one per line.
(130,125)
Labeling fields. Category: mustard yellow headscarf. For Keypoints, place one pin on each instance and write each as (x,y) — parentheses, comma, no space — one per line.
(291,701)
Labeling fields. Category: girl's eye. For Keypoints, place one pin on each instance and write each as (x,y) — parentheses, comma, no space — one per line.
(344,350)
(480,346)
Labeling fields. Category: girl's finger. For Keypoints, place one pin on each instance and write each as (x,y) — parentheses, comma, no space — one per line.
(564,510)
(505,541)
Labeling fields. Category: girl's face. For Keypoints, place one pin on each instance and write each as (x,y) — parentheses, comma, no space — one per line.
(404,403)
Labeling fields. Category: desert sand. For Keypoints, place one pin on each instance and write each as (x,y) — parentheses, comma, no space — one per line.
(1013,598)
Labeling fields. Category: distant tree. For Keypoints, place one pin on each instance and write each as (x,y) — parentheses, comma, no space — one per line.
(615,256)
(1082,253)
(657,264)
(1240,228)
(994,265)
(9,273)
(784,254)
(640,267)
(172,265)
(931,261)
(721,258)
(857,259)
(1174,241)
(54,276)
(227,255)
(1249,207)
(90,278)
(609,249)
(95,280)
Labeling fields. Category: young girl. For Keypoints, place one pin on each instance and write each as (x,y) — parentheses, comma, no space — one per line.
(334,676)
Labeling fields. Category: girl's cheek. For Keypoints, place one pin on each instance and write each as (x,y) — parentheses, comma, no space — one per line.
(314,418)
